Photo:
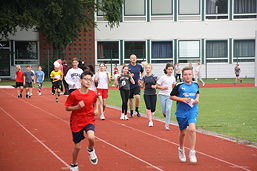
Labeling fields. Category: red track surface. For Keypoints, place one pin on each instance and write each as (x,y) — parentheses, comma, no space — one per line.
(35,136)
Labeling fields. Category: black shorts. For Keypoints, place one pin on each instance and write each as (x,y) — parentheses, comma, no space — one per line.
(57,84)
(78,136)
(19,84)
(28,85)
(71,90)
(134,91)
(237,75)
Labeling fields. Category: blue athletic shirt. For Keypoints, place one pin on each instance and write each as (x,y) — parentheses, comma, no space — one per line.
(39,76)
(136,70)
(183,90)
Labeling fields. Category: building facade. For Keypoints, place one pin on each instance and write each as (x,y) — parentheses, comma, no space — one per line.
(216,33)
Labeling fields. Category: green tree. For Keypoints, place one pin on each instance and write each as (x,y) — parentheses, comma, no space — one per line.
(59,20)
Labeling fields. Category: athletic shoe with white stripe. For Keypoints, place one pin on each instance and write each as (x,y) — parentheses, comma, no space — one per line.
(92,157)
(122,116)
(181,155)
(74,167)
(192,156)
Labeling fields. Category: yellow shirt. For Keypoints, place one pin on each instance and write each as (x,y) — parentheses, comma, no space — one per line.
(56,75)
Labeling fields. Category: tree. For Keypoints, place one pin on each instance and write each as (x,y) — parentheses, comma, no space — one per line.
(59,20)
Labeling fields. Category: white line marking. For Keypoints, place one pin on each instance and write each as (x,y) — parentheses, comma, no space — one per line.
(117,148)
(44,145)
(170,142)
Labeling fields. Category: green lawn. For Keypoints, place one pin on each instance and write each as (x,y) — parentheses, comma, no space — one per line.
(227,111)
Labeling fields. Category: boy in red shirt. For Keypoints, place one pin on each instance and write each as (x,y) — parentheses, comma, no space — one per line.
(82,102)
(19,81)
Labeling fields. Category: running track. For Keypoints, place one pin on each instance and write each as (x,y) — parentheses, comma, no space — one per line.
(35,136)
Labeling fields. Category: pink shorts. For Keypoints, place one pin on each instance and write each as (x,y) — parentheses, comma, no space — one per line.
(103,93)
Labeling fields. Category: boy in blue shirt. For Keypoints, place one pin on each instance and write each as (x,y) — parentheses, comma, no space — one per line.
(40,76)
(186,94)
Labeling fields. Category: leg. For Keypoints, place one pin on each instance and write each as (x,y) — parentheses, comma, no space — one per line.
(101,104)
(91,139)
(182,134)
(192,135)
(104,104)
(168,114)
(163,104)
(75,153)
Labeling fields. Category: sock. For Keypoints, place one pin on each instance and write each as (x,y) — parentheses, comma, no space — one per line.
(131,112)
(136,109)
(89,150)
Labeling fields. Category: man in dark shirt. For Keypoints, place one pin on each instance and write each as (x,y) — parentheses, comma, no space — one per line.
(135,70)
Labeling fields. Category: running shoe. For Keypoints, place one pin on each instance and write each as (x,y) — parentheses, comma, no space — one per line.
(74,167)
(57,100)
(126,117)
(122,116)
(92,157)
(150,124)
(138,114)
(192,156)
(102,117)
(181,155)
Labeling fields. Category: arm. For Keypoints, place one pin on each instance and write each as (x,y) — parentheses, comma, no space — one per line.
(96,107)
(68,79)
(158,86)
(78,106)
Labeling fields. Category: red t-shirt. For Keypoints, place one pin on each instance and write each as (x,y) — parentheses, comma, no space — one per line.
(19,76)
(84,116)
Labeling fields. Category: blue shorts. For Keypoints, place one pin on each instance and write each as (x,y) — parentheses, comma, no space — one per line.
(78,136)
(184,122)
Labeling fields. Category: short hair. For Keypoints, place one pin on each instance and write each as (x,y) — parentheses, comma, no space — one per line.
(75,59)
(86,73)
(167,66)
(186,68)
(28,66)
(91,68)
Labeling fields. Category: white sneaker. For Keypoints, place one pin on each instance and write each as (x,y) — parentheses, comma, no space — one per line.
(181,155)
(74,167)
(126,117)
(122,116)
(92,157)
(167,128)
(39,93)
(203,84)
(150,124)
(102,117)
(192,156)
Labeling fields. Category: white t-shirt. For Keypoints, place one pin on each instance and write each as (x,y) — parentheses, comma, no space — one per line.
(166,81)
(92,87)
(103,80)
(73,78)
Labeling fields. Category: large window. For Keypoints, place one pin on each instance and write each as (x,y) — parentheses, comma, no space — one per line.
(189,10)
(245,9)
(189,51)
(134,10)
(162,11)
(216,51)
(216,9)
(108,52)
(244,50)
(26,52)
(162,52)
(137,48)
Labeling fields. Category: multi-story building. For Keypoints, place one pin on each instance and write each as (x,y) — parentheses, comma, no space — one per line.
(218,33)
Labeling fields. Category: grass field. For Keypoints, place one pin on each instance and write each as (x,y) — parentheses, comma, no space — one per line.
(227,111)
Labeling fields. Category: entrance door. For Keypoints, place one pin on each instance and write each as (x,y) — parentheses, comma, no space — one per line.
(4,62)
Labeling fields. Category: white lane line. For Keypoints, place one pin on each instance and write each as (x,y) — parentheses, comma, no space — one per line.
(170,142)
(117,148)
(38,140)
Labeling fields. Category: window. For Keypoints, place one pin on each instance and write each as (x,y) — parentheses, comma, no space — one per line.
(245,9)
(162,11)
(216,51)
(26,52)
(163,8)
(216,9)
(107,52)
(189,51)
(189,10)
(244,50)
(162,52)
(137,48)
(134,10)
